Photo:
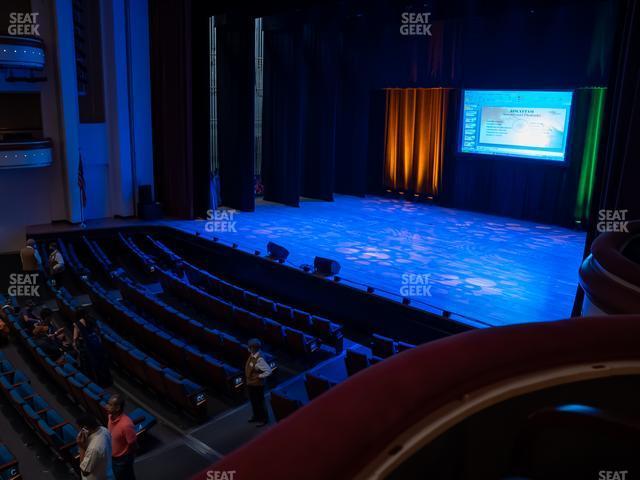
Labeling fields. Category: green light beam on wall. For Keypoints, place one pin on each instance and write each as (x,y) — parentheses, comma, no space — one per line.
(590,154)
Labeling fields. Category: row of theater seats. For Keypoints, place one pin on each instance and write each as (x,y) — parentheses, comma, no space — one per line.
(166,382)
(329,332)
(272,332)
(145,261)
(85,393)
(99,255)
(180,355)
(47,423)
(9,468)
(226,346)
(355,361)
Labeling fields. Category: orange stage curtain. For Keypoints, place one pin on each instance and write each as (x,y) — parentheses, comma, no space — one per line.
(414,138)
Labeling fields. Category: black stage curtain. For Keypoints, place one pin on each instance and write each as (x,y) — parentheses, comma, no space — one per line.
(319,150)
(352,125)
(180,115)
(170,52)
(282,127)
(236,78)
(619,168)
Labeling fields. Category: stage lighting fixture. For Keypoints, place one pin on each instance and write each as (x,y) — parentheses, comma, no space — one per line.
(325,266)
(197,234)
(336,279)
(215,239)
(306,268)
(370,290)
(277,252)
(406,301)
(234,245)
(256,252)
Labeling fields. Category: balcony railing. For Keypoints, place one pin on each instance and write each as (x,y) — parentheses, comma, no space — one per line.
(21,52)
(25,154)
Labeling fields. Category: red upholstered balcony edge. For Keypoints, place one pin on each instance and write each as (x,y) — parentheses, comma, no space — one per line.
(343,431)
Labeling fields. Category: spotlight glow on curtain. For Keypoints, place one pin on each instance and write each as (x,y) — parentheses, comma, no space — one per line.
(414,138)
(590,154)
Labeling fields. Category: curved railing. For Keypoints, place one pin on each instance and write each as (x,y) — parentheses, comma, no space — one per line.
(382,415)
(610,279)
(21,52)
(25,154)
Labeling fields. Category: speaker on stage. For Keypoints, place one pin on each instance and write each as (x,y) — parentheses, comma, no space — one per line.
(147,208)
(145,194)
(277,252)
(325,266)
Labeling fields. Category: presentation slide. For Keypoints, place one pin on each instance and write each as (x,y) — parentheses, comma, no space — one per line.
(529,124)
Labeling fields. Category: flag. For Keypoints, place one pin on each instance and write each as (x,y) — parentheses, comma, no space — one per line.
(82,185)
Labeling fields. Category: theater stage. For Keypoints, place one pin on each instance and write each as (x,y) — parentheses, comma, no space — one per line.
(491,270)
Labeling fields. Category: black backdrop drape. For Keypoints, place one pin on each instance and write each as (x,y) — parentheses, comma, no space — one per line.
(282,110)
(179,57)
(235,78)
(321,73)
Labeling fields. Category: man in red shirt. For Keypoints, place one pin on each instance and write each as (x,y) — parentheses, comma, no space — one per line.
(123,439)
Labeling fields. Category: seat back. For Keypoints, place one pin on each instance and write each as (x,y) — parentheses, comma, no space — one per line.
(355,362)
(383,347)
(316,385)
(283,406)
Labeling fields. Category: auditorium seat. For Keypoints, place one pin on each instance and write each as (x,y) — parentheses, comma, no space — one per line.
(301,320)
(273,333)
(382,346)
(9,467)
(248,321)
(142,420)
(283,313)
(250,300)
(316,385)
(88,395)
(402,346)
(300,342)
(11,380)
(63,439)
(186,394)
(137,363)
(283,406)
(266,307)
(356,361)
(155,376)
(328,331)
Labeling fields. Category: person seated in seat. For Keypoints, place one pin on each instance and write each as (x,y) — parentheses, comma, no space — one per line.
(51,340)
(4,324)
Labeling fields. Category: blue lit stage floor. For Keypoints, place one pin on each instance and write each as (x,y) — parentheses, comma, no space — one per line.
(493,269)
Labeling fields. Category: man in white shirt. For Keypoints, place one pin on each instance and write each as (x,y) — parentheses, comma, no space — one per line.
(256,370)
(94,442)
